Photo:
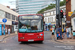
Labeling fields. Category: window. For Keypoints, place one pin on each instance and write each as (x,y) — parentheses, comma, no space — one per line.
(13,17)
(30,26)
(10,16)
(2,13)
(50,19)
(17,18)
(54,12)
(9,26)
(7,15)
(47,14)
(51,13)
(45,19)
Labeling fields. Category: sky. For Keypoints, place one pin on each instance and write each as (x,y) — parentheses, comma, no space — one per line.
(8,3)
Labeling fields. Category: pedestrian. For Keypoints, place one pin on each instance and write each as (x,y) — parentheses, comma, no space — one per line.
(67,32)
(64,34)
(9,31)
(57,32)
(60,32)
(53,31)
(6,31)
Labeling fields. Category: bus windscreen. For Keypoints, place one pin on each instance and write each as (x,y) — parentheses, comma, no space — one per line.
(30,25)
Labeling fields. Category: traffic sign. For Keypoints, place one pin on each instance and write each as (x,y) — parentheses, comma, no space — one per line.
(4,20)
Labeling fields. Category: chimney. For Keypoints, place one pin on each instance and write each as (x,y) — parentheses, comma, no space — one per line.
(8,6)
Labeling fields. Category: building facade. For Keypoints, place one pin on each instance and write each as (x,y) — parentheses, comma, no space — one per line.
(50,15)
(30,6)
(73,15)
(11,17)
(68,9)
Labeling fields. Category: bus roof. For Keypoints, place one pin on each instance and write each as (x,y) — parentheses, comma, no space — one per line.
(30,14)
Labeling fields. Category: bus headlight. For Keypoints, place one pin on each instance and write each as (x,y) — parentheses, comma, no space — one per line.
(41,34)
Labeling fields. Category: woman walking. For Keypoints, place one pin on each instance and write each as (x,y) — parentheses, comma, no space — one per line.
(64,33)
(9,31)
(67,32)
(53,32)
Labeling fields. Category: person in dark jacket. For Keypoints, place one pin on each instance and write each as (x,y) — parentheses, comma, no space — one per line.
(60,31)
(57,32)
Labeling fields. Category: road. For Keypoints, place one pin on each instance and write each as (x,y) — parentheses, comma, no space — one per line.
(11,43)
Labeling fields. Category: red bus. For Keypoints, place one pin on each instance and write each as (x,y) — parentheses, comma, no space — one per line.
(30,28)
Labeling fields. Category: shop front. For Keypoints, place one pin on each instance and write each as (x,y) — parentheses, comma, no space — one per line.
(5,28)
(14,26)
(0,27)
(73,23)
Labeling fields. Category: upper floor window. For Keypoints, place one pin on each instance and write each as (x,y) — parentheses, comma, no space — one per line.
(13,17)
(46,19)
(2,13)
(54,12)
(7,15)
(17,18)
(47,13)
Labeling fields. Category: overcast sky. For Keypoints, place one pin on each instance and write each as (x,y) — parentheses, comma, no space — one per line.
(8,3)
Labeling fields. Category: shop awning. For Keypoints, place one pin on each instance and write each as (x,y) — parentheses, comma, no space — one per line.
(55,23)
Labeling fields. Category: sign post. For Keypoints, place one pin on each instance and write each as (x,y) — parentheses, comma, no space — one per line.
(4,21)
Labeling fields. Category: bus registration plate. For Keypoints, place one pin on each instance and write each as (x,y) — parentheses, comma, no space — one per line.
(30,40)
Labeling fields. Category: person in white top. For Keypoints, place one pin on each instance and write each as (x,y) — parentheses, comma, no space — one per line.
(67,31)
(9,31)
(24,27)
(6,30)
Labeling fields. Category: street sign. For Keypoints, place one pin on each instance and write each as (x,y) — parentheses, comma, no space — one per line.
(4,20)
(70,13)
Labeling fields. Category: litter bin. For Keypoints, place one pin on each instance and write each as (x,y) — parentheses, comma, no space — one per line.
(74,34)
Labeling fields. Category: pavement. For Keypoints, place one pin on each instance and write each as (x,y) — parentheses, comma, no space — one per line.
(67,41)
(2,37)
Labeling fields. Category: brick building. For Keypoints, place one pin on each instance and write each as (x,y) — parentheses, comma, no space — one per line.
(68,9)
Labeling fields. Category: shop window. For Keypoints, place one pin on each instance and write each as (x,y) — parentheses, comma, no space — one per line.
(9,26)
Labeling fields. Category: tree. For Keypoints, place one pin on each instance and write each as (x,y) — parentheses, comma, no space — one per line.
(51,6)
